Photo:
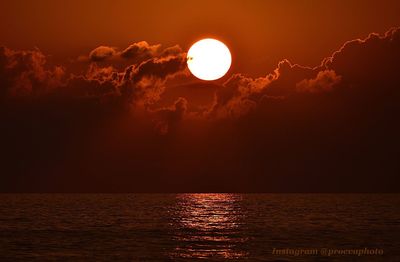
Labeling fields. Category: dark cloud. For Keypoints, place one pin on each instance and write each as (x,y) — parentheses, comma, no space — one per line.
(140,51)
(169,117)
(172,51)
(102,53)
(373,60)
(146,81)
(199,94)
(25,73)
(366,64)
(323,82)
(138,73)
(139,84)
(159,68)
(134,54)
(286,75)
(102,73)
(232,99)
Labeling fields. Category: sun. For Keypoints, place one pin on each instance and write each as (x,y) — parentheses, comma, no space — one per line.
(209,59)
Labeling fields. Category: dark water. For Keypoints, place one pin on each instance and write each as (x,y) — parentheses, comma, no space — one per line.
(171,227)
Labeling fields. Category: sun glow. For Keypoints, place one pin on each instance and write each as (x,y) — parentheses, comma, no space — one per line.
(209,59)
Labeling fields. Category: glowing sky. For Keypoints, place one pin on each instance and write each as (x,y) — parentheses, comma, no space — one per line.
(259,32)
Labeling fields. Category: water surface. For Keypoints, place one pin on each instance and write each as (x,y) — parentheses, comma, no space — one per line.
(180,227)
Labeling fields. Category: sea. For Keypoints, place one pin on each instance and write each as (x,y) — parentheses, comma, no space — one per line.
(200,227)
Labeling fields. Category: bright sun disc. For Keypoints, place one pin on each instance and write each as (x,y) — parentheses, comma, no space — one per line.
(209,59)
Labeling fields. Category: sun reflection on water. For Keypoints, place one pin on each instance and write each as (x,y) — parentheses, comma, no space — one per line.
(208,225)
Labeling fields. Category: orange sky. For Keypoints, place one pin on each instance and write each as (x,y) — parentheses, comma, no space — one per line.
(260,33)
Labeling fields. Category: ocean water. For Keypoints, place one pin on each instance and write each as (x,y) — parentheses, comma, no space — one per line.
(208,227)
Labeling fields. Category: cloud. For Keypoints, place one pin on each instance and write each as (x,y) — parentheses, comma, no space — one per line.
(366,64)
(102,73)
(172,51)
(24,73)
(27,73)
(135,53)
(324,81)
(327,128)
(82,87)
(167,118)
(159,68)
(138,85)
(102,53)
(373,59)
(139,72)
(234,97)
(140,51)
(285,77)
(146,81)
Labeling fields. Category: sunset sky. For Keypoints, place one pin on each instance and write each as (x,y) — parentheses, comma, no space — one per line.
(95,96)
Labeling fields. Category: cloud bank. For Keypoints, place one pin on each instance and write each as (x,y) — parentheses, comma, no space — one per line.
(128,123)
